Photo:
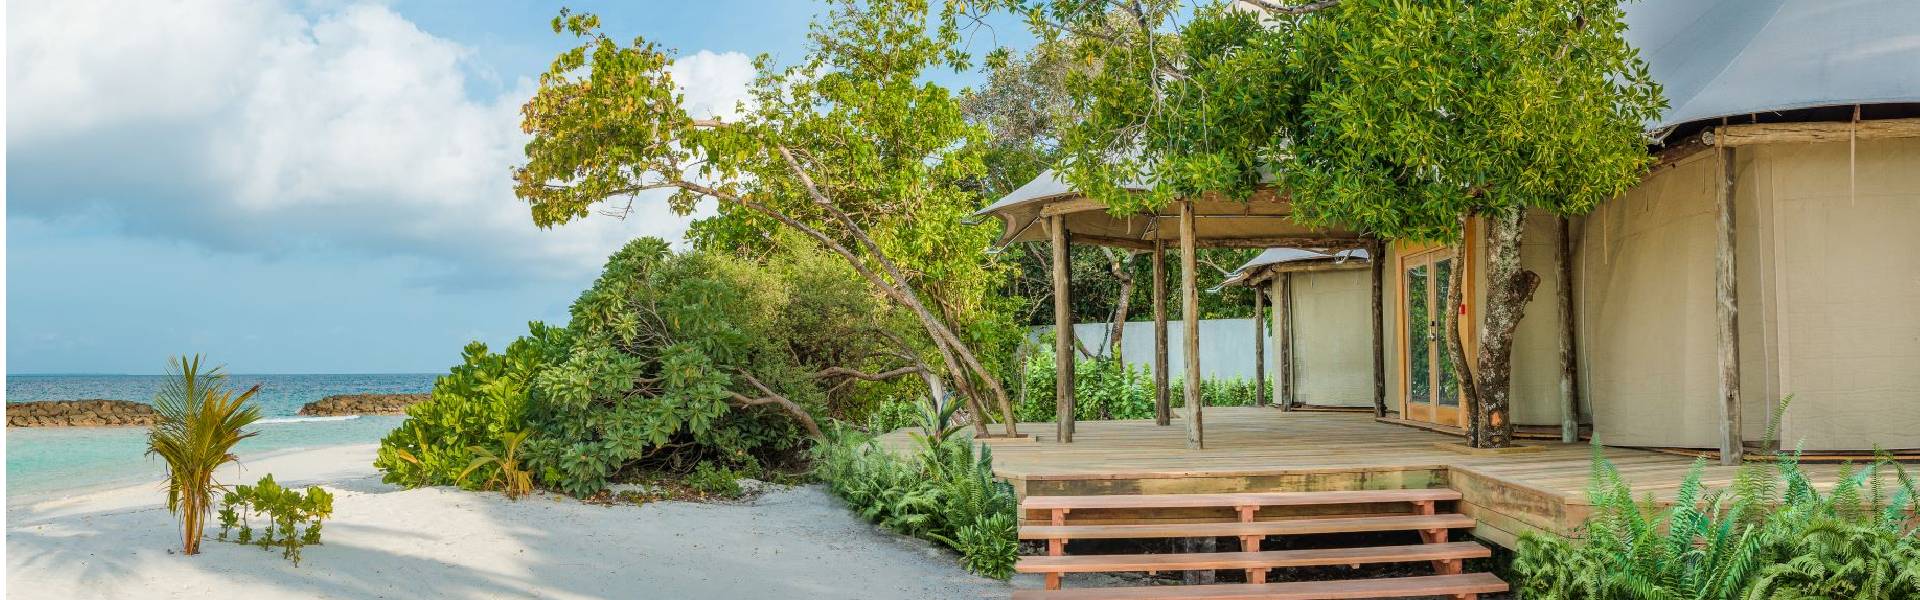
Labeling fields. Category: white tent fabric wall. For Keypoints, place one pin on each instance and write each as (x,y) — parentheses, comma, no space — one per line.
(1226,346)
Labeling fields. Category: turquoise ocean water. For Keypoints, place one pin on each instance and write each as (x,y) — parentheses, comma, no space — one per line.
(52,461)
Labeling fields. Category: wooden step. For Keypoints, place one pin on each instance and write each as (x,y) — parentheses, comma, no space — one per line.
(1260,528)
(1106,563)
(1121,501)
(1396,587)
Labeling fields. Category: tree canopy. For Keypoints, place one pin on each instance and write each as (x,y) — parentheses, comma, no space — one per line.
(1384,116)
(850,146)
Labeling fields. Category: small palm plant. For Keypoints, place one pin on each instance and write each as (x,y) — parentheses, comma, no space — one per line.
(936,427)
(199,420)
(514,478)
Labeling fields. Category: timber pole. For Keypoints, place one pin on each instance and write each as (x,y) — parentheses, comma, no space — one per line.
(1726,293)
(1259,349)
(1063,354)
(1279,337)
(1569,388)
(1377,254)
(1162,405)
(1284,305)
(1190,321)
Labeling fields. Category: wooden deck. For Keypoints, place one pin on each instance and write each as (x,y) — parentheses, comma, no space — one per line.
(1266,450)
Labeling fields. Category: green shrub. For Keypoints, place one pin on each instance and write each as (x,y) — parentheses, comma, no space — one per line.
(655,372)
(477,403)
(292,517)
(1122,391)
(893,413)
(946,494)
(715,481)
(1772,535)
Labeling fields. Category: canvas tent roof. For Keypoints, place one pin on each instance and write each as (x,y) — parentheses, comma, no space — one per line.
(1278,256)
(1717,58)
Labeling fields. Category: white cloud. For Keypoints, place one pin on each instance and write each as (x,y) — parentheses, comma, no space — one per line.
(349,128)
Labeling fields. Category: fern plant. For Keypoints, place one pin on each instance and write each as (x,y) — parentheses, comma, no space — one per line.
(946,493)
(1771,535)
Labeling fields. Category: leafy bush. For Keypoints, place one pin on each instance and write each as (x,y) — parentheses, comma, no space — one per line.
(945,493)
(477,403)
(1773,535)
(662,347)
(716,481)
(293,517)
(1123,391)
(667,361)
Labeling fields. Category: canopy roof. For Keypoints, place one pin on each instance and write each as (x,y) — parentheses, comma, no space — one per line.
(1718,58)
(1262,221)
(1274,259)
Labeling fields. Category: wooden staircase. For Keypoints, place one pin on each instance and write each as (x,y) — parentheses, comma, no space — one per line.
(1424,517)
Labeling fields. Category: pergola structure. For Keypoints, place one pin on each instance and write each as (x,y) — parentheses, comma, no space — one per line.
(1272,271)
(1048,208)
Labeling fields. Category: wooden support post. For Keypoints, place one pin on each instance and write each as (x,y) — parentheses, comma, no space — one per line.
(1569,386)
(1162,405)
(1284,305)
(1063,352)
(1377,254)
(1259,349)
(1726,293)
(1190,320)
(1280,397)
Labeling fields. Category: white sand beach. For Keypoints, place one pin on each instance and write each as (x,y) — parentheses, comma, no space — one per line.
(387,542)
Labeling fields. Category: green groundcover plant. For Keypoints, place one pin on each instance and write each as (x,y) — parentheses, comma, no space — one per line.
(1772,536)
(292,516)
(945,492)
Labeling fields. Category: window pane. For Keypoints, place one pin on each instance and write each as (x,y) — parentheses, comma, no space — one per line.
(1449,380)
(1419,371)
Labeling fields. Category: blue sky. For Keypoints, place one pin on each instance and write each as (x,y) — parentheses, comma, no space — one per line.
(308,187)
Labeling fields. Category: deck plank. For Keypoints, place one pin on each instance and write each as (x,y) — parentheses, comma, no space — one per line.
(1263,528)
(1107,563)
(1432,585)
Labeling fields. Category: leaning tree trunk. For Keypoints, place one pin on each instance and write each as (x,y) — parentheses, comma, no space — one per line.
(1509,287)
(1456,349)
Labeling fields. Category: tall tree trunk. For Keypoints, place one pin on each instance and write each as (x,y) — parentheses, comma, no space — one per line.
(1121,263)
(1509,288)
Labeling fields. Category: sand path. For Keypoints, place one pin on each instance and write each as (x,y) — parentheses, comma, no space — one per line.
(387,542)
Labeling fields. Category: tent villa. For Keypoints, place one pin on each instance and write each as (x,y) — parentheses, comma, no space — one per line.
(1781,211)
(1771,252)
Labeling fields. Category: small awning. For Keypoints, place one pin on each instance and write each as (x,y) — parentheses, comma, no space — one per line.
(1249,273)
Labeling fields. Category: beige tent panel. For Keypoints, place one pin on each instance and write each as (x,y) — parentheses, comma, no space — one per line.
(1846,285)
(1829,298)
(1332,341)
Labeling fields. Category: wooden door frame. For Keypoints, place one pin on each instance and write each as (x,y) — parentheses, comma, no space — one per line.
(1403,253)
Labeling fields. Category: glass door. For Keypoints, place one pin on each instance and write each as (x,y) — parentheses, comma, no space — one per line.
(1431,390)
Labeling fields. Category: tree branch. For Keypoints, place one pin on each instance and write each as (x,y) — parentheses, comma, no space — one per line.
(862,375)
(770,397)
